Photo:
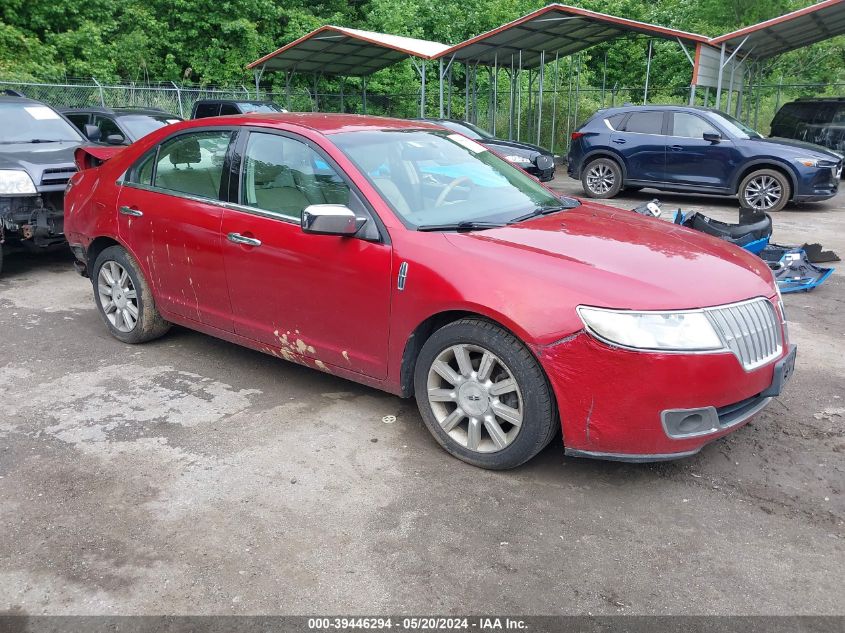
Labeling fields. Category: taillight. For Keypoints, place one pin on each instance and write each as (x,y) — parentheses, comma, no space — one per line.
(576,135)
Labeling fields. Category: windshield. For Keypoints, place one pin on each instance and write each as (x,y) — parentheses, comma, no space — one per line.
(735,126)
(432,177)
(247,108)
(467,129)
(140,125)
(27,122)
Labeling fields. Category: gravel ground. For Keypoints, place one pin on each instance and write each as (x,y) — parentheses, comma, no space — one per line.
(190,475)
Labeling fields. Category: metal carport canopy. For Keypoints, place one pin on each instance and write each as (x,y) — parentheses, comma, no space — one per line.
(337,50)
(787,32)
(555,29)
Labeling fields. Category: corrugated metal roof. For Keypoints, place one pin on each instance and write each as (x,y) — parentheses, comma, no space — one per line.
(337,50)
(790,31)
(556,28)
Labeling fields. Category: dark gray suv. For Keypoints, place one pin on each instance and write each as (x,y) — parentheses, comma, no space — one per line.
(36,161)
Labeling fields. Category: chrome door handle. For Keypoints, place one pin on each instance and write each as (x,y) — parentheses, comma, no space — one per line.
(237,238)
(676,148)
(135,213)
(619,141)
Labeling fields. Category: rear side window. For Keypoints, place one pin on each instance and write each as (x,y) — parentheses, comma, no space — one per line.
(645,123)
(79,120)
(839,117)
(691,126)
(228,108)
(206,109)
(615,121)
(192,163)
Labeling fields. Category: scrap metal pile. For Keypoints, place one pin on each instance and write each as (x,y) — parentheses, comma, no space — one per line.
(794,267)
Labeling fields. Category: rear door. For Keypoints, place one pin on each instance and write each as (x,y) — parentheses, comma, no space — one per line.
(692,161)
(642,144)
(320,299)
(169,215)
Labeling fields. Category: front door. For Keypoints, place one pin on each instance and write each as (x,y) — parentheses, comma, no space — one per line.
(319,299)
(692,161)
(169,210)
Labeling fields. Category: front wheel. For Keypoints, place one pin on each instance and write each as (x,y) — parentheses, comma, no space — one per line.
(483,395)
(601,178)
(764,190)
(123,298)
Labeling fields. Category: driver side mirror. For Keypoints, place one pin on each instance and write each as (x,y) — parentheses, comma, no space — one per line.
(712,137)
(115,139)
(330,219)
(92,133)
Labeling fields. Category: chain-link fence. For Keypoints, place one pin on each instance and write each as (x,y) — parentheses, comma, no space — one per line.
(521,113)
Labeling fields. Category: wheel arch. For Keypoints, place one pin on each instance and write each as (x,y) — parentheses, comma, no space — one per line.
(421,333)
(766,163)
(97,246)
(605,153)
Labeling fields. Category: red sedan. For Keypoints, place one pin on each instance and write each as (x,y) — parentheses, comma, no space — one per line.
(408,257)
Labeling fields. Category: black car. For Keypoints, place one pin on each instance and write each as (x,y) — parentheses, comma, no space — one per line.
(36,161)
(118,126)
(221,107)
(698,150)
(819,121)
(535,160)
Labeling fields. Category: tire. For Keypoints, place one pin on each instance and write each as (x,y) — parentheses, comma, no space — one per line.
(496,444)
(753,190)
(601,178)
(134,291)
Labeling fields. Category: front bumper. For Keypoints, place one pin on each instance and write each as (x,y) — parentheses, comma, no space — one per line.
(613,402)
(817,184)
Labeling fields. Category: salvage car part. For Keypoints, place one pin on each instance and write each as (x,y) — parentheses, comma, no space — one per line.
(793,270)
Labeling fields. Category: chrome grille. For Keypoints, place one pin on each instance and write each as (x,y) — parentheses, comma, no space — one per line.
(750,329)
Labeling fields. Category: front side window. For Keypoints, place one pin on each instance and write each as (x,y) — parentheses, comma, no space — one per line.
(734,126)
(79,120)
(691,126)
(192,163)
(434,177)
(107,127)
(204,110)
(645,123)
(284,175)
(140,125)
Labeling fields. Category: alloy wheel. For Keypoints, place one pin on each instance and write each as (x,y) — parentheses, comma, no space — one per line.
(763,192)
(475,398)
(118,296)
(600,178)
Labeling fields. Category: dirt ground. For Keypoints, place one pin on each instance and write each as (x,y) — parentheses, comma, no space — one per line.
(190,475)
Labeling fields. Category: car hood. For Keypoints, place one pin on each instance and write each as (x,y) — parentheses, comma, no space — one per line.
(616,258)
(522,148)
(796,147)
(34,158)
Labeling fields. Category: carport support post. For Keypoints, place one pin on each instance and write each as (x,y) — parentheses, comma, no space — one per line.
(422,89)
(519,96)
(577,93)
(554,100)
(510,101)
(466,92)
(449,98)
(495,90)
(440,76)
(719,77)
(730,89)
(647,71)
(540,94)
(363,95)
(288,77)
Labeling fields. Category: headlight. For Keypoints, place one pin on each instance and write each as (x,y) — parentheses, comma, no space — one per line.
(13,182)
(518,159)
(676,331)
(816,162)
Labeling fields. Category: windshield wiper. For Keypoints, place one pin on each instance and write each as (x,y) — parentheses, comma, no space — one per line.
(34,140)
(544,211)
(461,226)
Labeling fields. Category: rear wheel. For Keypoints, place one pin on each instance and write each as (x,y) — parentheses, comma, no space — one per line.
(483,395)
(601,178)
(123,298)
(764,190)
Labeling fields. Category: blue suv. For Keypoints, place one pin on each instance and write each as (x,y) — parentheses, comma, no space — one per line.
(700,150)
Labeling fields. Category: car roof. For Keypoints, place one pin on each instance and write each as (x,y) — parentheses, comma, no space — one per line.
(234,101)
(663,106)
(323,123)
(118,111)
